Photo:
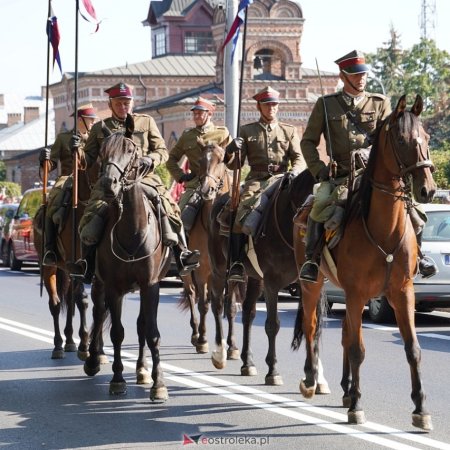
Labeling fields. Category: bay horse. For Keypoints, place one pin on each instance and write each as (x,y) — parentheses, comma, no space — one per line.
(63,294)
(275,255)
(376,255)
(130,256)
(214,180)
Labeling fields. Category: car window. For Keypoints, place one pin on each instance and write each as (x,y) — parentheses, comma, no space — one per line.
(29,204)
(437,227)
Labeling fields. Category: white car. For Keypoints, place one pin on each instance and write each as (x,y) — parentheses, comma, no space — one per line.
(431,292)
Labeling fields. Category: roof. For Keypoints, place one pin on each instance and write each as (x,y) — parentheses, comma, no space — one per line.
(176,7)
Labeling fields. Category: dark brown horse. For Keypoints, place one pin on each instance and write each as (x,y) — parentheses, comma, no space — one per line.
(130,256)
(377,255)
(275,255)
(63,294)
(214,181)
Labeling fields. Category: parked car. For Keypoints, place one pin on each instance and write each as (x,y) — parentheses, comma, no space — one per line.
(431,292)
(7,212)
(20,244)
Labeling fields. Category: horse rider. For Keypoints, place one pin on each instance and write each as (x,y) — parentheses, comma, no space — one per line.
(270,147)
(152,152)
(187,146)
(347,119)
(61,152)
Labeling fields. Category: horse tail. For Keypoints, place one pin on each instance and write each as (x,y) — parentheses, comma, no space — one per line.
(184,301)
(62,288)
(321,313)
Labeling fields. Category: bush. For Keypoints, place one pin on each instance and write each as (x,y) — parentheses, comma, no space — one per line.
(11,190)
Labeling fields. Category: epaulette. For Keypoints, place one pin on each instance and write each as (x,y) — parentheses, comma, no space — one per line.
(188,129)
(141,115)
(333,94)
(220,127)
(286,124)
(377,94)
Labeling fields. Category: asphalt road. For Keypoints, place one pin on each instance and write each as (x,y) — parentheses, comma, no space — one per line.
(52,404)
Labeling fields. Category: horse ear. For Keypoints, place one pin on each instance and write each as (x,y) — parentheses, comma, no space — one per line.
(129,126)
(399,109)
(417,108)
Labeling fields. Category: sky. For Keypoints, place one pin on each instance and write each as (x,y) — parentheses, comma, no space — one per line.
(332,28)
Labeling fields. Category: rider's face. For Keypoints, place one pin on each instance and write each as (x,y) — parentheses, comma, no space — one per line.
(354,83)
(269,111)
(120,107)
(200,117)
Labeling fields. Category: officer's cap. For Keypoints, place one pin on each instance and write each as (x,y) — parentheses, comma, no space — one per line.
(203,105)
(267,95)
(352,63)
(86,111)
(120,90)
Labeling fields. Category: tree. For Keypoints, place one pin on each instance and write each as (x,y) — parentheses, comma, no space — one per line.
(2,171)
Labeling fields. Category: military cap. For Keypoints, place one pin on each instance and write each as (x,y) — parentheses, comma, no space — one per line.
(120,90)
(85,111)
(352,63)
(267,95)
(204,105)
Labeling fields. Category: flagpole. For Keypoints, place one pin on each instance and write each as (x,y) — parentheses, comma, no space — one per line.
(45,165)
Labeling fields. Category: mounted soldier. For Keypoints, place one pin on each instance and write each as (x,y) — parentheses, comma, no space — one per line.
(152,153)
(60,195)
(347,120)
(272,149)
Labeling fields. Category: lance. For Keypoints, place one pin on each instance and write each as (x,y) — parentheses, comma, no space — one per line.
(46,163)
(235,186)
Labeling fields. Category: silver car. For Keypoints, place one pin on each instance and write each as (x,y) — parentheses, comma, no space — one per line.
(431,292)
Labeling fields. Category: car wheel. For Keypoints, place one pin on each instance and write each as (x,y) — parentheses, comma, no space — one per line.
(380,311)
(424,309)
(5,255)
(14,263)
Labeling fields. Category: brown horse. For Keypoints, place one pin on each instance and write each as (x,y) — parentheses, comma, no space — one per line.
(214,180)
(130,256)
(377,254)
(275,256)
(64,294)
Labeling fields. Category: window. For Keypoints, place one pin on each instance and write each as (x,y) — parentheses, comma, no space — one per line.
(160,44)
(198,42)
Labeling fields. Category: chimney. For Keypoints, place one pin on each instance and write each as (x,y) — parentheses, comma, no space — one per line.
(30,113)
(13,118)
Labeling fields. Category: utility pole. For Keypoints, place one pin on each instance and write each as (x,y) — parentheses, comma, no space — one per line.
(427,19)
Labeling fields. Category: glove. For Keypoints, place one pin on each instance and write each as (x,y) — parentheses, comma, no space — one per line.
(234,146)
(75,142)
(186,177)
(44,155)
(146,163)
(324,173)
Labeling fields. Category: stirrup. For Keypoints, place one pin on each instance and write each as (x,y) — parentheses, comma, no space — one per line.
(427,267)
(189,260)
(237,273)
(309,271)
(49,258)
(77,269)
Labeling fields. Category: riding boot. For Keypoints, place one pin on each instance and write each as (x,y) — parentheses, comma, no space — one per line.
(314,233)
(186,260)
(85,266)
(427,267)
(237,246)
(49,258)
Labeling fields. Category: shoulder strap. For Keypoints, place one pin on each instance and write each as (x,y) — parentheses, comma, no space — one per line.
(352,118)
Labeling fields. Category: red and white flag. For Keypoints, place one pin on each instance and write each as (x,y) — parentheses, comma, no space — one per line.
(88,13)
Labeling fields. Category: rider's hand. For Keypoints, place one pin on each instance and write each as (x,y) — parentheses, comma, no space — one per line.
(324,173)
(75,142)
(186,177)
(146,163)
(44,155)
(234,146)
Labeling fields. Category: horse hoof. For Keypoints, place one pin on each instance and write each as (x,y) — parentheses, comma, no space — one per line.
(70,347)
(117,388)
(82,356)
(422,421)
(159,395)
(194,339)
(202,348)
(356,417)
(273,380)
(248,371)
(233,353)
(91,371)
(218,362)
(103,359)
(346,401)
(143,376)
(323,389)
(58,354)
(307,392)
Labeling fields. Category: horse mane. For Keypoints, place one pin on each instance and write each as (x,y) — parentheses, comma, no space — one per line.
(301,186)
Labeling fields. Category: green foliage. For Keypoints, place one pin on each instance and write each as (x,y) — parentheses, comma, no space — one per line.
(164,175)
(11,189)
(2,171)
(441,161)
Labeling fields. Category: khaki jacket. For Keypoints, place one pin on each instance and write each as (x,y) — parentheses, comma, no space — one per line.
(62,151)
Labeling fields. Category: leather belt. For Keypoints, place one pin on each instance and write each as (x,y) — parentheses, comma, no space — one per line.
(271,168)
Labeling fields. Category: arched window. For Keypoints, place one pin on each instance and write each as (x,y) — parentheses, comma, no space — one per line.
(267,65)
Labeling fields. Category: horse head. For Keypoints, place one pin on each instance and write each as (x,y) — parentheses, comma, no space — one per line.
(119,157)
(408,156)
(212,169)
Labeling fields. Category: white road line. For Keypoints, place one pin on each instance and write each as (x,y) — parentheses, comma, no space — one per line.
(278,404)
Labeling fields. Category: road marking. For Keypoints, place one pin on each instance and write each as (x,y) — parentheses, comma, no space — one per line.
(275,404)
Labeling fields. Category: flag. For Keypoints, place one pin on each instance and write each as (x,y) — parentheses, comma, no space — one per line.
(233,34)
(90,11)
(53,37)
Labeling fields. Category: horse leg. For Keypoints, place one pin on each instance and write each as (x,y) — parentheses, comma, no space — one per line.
(95,354)
(150,301)
(142,373)
(219,354)
(189,298)
(233,352)
(203,308)
(82,302)
(346,378)
(254,291)
(68,296)
(404,313)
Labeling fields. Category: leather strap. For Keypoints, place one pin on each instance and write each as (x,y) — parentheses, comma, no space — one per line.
(270,168)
